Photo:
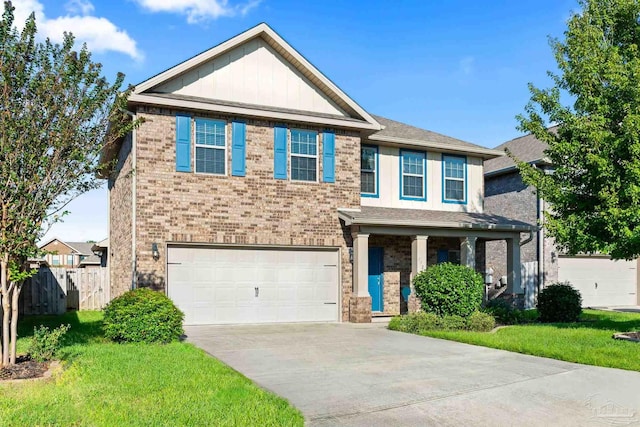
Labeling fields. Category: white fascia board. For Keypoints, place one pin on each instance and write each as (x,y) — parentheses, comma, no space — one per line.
(244,111)
(486,153)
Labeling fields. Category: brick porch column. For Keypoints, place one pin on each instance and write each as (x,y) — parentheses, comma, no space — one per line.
(514,274)
(468,251)
(418,264)
(360,301)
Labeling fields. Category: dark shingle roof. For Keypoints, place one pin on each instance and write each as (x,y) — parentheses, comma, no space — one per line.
(84,248)
(396,129)
(429,218)
(527,148)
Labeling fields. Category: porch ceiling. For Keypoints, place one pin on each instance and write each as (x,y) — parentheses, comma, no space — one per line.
(370,215)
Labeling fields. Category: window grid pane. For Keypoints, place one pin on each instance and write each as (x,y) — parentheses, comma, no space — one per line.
(454,189)
(454,172)
(210,160)
(368,182)
(303,168)
(413,174)
(368,160)
(210,133)
(413,163)
(412,186)
(304,142)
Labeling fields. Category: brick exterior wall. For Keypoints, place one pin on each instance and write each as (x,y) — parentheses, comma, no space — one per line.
(252,210)
(508,196)
(120,224)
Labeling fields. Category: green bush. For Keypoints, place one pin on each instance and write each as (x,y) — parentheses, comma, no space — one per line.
(142,315)
(559,302)
(481,322)
(449,289)
(503,311)
(417,323)
(45,342)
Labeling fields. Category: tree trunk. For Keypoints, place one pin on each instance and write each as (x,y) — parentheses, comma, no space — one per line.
(4,267)
(14,322)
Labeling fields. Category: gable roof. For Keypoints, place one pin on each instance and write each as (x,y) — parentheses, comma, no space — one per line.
(404,134)
(526,148)
(67,244)
(144,94)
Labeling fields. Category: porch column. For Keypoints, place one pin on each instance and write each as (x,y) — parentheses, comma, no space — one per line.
(514,279)
(418,264)
(468,252)
(360,301)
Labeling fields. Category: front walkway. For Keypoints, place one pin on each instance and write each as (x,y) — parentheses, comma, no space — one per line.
(366,375)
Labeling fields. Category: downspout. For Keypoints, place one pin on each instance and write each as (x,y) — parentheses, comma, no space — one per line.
(134,133)
(540,243)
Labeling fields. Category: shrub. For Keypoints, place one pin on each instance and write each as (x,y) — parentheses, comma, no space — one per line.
(481,322)
(449,289)
(559,302)
(46,343)
(417,323)
(142,315)
(503,311)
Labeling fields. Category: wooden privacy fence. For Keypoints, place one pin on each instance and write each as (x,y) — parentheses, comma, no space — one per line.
(56,290)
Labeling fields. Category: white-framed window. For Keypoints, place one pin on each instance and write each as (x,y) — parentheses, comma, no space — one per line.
(369,171)
(55,259)
(454,179)
(210,146)
(69,259)
(304,155)
(413,166)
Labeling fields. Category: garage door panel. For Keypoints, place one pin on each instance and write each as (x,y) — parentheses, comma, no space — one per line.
(217,285)
(601,281)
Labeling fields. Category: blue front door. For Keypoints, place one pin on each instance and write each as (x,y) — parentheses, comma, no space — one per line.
(376,279)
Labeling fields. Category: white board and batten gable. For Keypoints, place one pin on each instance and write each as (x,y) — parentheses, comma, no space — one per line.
(256,73)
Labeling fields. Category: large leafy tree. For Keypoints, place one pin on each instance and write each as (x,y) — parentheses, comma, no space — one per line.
(594,187)
(56,112)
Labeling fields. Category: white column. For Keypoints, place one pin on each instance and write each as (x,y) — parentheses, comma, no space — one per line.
(418,256)
(514,275)
(468,251)
(360,264)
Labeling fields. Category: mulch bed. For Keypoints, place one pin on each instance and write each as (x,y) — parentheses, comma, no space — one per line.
(25,368)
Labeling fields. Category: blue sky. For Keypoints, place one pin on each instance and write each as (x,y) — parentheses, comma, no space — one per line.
(457,67)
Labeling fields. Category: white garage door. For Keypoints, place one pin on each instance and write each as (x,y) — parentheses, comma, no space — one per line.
(241,285)
(601,281)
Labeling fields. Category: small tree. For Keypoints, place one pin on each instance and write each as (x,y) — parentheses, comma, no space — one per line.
(595,149)
(56,111)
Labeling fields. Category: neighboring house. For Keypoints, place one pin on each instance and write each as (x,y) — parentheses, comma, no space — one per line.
(256,190)
(600,280)
(70,254)
(101,250)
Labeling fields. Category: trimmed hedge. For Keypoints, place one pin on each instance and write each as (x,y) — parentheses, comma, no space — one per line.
(416,323)
(449,289)
(559,302)
(142,315)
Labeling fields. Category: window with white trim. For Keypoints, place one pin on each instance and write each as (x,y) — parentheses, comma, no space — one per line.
(412,167)
(55,259)
(455,169)
(304,155)
(69,259)
(211,146)
(369,171)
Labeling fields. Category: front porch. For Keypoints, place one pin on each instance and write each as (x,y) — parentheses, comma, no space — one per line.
(391,246)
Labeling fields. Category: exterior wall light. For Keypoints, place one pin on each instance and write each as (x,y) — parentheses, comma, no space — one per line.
(154,251)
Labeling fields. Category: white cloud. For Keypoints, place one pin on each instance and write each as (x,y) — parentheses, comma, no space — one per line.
(79,7)
(198,10)
(100,34)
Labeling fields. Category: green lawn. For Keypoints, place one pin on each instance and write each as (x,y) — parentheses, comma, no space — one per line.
(588,341)
(106,384)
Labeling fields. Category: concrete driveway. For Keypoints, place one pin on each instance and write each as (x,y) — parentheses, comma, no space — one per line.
(366,375)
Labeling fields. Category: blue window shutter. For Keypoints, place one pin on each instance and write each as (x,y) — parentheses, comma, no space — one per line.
(328,157)
(280,152)
(183,143)
(238,150)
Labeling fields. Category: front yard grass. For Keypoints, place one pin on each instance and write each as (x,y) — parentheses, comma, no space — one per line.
(588,341)
(107,384)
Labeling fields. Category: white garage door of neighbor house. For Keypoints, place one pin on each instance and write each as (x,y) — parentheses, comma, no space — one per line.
(246,285)
(601,281)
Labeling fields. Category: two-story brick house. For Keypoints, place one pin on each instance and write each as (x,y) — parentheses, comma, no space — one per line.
(257,191)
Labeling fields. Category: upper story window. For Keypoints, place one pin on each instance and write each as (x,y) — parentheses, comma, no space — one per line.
(454,177)
(69,259)
(55,259)
(304,155)
(211,146)
(369,171)
(413,175)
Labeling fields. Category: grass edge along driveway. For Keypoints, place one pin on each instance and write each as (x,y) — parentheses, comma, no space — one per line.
(106,384)
(588,342)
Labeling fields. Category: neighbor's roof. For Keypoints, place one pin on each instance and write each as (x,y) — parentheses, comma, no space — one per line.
(402,133)
(369,215)
(526,148)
